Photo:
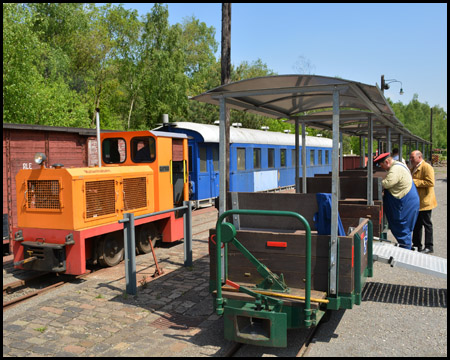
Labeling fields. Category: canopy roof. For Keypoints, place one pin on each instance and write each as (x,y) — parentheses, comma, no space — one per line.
(354,122)
(290,96)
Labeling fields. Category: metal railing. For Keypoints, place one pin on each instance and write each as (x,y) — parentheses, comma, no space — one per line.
(219,298)
(130,242)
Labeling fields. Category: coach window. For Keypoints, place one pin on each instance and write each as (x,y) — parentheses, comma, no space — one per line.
(113,150)
(202,154)
(190,158)
(293,158)
(271,158)
(215,158)
(143,149)
(320,157)
(241,158)
(327,157)
(282,157)
(311,157)
(257,158)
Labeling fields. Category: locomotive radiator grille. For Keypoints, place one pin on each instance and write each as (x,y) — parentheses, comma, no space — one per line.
(135,193)
(43,194)
(100,198)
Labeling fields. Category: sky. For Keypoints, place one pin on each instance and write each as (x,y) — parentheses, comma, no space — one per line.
(358,42)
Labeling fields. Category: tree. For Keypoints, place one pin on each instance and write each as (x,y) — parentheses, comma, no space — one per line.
(164,84)
(34,89)
(124,29)
(199,47)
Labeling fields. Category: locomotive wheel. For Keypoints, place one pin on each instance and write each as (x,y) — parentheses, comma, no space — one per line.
(110,250)
(142,242)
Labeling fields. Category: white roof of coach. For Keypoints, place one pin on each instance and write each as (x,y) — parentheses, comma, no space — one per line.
(210,134)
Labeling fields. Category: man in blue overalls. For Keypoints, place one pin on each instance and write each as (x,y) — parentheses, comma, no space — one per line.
(400,199)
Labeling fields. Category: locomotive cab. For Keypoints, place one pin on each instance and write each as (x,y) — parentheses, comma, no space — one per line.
(165,153)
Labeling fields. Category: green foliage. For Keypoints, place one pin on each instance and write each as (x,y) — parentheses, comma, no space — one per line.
(416,117)
(63,60)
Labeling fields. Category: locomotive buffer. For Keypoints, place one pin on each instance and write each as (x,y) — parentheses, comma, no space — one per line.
(411,260)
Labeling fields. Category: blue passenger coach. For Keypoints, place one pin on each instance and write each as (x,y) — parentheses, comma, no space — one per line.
(259,160)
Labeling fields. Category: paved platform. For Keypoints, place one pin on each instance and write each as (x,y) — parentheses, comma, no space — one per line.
(171,315)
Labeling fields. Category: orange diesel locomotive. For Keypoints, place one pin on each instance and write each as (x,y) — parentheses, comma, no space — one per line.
(69,216)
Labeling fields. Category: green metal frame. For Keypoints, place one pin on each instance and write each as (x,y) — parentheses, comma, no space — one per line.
(266,320)
(275,317)
(346,301)
(228,232)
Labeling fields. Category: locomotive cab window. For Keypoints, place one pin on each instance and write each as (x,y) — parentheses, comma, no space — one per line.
(113,150)
(143,149)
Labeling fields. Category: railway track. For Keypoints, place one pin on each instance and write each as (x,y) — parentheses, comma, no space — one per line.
(36,284)
(21,290)
(239,349)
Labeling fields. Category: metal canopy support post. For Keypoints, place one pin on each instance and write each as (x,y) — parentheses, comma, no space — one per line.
(334,198)
(361,152)
(364,150)
(341,152)
(388,140)
(222,168)
(400,147)
(222,158)
(297,162)
(130,254)
(370,163)
(304,157)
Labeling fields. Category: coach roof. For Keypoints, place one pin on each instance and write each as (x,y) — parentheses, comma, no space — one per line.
(210,134)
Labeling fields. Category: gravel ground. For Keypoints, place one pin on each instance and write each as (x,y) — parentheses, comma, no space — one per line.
(412,322)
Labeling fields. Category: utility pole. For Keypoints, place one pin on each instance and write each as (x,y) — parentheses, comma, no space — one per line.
(226,79)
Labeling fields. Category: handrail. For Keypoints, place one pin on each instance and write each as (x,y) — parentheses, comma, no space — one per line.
(219,299)
(129,241)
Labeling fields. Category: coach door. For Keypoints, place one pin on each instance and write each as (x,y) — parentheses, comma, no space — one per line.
(208,179)
(214,166)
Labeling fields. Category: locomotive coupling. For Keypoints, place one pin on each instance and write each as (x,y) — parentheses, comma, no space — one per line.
(24,261)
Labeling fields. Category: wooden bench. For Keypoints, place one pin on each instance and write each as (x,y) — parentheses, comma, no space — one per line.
(359,173)
(349,187)
(353,199)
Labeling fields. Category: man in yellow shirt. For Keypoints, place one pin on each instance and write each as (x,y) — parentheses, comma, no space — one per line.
(423,177)
(400,199)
